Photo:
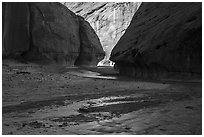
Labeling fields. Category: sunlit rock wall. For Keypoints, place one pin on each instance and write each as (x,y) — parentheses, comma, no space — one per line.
(108,19)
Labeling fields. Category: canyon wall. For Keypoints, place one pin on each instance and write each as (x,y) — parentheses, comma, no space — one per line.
(161,38)
(15,27)
(48,32)
(108,19)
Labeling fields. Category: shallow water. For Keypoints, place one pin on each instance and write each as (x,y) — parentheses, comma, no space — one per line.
(91,74)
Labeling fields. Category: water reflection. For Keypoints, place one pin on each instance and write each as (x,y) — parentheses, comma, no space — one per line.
(91,74)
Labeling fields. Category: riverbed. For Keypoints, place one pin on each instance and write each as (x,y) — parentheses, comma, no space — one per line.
(54,99)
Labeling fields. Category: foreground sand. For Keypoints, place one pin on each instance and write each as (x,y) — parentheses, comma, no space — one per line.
(57,100)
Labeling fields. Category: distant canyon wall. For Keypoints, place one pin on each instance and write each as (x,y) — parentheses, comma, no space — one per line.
(161,38)
(108,19)
(48,32)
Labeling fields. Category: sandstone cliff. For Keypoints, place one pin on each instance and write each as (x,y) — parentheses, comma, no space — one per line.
(161,38)
(48,32)
(90,49)
(15,27)
(108,19)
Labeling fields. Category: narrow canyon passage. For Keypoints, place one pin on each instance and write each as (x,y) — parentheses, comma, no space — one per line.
(108,19)
(102,68)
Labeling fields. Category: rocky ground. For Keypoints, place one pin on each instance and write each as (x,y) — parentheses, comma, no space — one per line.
(58,100)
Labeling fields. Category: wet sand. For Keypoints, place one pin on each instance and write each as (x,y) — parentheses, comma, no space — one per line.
(59,100)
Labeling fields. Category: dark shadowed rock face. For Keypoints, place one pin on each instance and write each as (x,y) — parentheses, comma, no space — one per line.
(90,49)
(47,32)
(15,27)
(108,19)
(55,32)
(161,38)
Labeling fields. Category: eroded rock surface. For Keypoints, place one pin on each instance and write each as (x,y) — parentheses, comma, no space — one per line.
(47,32)
(55,32)
(91,51)
(161,38)
(108,19)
